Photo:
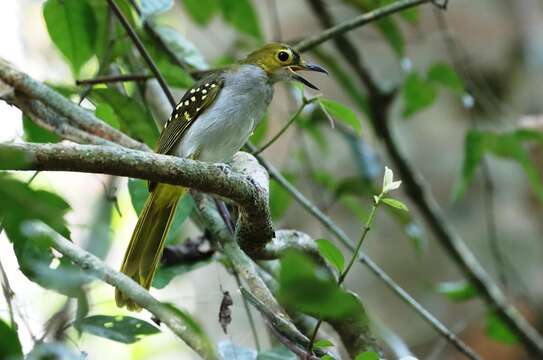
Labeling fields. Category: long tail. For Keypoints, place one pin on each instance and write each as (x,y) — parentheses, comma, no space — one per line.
(145,249)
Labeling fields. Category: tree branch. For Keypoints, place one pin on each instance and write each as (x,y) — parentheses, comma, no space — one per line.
(421,196)
(113,78)
(77,116)
(130,288)
(254,227)
(358,21)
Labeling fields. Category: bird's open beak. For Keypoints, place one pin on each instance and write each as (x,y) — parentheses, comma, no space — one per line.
(306,67)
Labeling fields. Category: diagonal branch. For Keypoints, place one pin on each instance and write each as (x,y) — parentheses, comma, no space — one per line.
(422,197)
(98,269)
(340,29)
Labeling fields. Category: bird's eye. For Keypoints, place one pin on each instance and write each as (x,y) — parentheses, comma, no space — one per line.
(283,56)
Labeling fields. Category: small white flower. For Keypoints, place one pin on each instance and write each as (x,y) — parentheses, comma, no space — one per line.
(388,181)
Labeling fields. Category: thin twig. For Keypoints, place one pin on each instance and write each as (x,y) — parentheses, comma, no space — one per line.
(143,52)
(421,196)
(292,119)
(364,259)
(8,293)
(358,21)
(113,78)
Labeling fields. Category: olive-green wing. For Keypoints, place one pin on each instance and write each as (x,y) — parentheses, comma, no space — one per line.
(195,101)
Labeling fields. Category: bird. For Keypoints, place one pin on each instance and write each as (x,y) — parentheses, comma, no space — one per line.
(211,122)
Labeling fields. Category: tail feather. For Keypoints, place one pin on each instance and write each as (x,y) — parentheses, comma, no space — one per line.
(147,243)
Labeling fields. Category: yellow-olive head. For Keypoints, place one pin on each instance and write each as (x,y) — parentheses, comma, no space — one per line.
(281,62)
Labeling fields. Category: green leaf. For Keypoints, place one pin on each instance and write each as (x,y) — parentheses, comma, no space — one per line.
(201,11)
(150,8)
(343,113)
(279,353)
(418,94)
(392,34)
(367,355)
(280,199)
(397,204)
(323,343)
(135,119)
(307,288)
(107,114)
(457,290)
(331,253)
(445,75)
(21,203)
(504,145)
(124,329)
(242,16)
(498,330)
(10,347)
(72,27)
(37,134)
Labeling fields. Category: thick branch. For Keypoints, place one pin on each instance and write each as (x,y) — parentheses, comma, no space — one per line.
(76,115)
(254,223)
(97,268)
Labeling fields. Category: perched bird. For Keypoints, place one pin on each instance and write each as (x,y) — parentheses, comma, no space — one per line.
(211,123)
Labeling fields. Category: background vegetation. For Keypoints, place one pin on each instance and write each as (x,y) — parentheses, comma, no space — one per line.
(444,94)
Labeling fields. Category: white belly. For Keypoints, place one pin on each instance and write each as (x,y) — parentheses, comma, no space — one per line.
(226,126)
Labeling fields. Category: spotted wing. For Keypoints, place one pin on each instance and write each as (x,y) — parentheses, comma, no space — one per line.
(195,101)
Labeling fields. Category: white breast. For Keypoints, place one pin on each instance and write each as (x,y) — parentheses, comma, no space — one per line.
(225,127)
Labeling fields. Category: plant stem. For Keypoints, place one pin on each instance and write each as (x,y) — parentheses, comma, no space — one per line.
(287,125)
(354,257)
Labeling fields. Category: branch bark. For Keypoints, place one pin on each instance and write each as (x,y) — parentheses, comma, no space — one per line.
(130,288)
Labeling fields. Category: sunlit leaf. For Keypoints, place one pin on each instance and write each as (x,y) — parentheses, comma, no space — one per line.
(445,75)
(305,287)
(367,355)
(457,290)
(323,343)
(72,27)
(418,94)
(397,204)
(10,347)
(106,113)
(201,11)
(242,16)
(182,48)
(124,329)
(342,113)
(331,253)
(498,330)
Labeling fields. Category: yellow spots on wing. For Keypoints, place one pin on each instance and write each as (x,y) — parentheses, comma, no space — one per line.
(187,116)
(207,84)
(203,97)
(179,106)
(193,98)
(192,91)
(186,103)
(213,85)
(204,91)
(198,109)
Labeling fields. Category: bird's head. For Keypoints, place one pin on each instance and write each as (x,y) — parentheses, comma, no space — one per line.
(282,62)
